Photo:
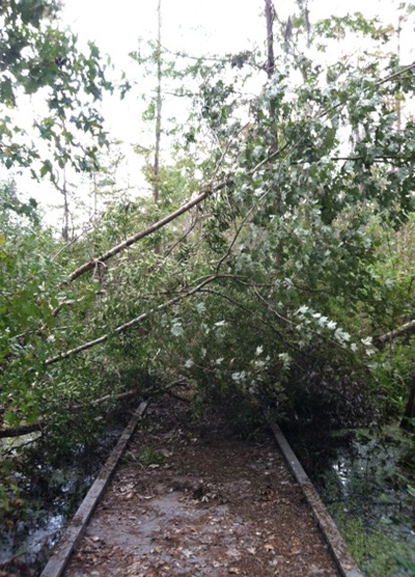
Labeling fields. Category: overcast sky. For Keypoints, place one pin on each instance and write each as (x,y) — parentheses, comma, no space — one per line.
(198,27)
(195,26)
(215,26)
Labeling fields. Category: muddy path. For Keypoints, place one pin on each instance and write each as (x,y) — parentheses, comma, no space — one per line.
(191,498)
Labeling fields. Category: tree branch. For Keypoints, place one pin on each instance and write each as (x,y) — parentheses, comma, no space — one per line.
(208,191)
(406,329)
(129,324)
(21,430)
(40,423)
(143,233)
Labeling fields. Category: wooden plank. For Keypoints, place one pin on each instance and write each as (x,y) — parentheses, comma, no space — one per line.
(345,562)
(76,527)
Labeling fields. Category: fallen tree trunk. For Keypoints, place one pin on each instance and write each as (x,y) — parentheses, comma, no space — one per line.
(22,430)
(40,423)
(209,190)
(143,233)
(406,329)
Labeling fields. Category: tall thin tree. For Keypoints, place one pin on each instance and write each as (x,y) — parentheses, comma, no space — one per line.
(156,189)
(270,66)
(269,16)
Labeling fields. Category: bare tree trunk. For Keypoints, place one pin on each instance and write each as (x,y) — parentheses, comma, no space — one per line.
(406,329)
(158,110)
(94,181)
(65,226)
(270,68)
(397,98)
(269,16)
(149,230)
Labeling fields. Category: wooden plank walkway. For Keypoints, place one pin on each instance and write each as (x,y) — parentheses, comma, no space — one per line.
(191,499)
(60,559)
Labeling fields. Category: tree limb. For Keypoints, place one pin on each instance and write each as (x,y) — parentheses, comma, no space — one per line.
(143,233)
(209,190)
(131,323)
(22,430)
(406,329)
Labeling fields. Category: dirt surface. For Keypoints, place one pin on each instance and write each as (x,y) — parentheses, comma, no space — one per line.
(192,499)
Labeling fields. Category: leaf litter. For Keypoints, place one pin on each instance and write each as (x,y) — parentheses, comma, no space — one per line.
(214,505)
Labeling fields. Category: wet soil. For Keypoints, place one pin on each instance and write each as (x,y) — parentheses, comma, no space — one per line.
(191,498)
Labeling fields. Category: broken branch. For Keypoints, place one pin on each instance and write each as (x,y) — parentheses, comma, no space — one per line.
(406,329)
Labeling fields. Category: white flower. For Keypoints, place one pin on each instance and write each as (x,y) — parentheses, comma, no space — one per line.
(341,335)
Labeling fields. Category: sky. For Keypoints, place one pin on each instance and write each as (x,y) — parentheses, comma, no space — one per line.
(214,25)
(197,27)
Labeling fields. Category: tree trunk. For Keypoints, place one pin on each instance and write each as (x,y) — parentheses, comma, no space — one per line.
(406,329)
(65,226)
(269,16)
(270,68)
(158,111)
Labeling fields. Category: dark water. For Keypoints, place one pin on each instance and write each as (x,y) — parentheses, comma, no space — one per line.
(52,492)
(363,478)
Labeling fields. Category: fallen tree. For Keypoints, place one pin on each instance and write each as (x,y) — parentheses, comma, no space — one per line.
(405,329)
(132,323)
(40,424)
(91,264)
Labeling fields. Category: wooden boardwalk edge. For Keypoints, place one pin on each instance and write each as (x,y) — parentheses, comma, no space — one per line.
(345,562)
(76,527)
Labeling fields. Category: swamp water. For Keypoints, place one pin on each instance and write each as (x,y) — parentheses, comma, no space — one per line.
(52,493)
(368,489)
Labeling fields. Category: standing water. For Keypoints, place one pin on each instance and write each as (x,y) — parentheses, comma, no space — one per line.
(51,492)
(366,482)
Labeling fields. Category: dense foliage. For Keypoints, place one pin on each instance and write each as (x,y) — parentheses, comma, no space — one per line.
(269,291)
(40,57)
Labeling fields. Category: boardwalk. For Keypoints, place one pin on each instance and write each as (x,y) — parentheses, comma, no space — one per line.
(192,499)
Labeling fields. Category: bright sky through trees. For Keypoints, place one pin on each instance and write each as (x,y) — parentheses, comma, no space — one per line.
(198,28)
(217,26)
